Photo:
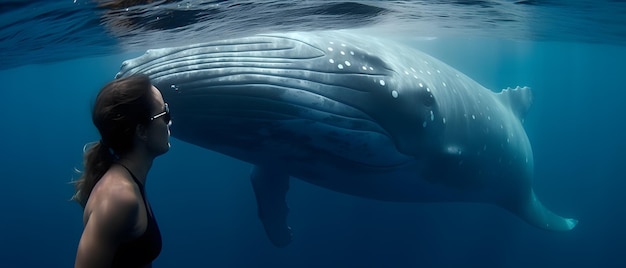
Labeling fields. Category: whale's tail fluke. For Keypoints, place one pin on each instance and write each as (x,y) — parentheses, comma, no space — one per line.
(532,211)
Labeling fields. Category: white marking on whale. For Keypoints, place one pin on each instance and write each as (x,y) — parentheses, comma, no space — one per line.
(367,128)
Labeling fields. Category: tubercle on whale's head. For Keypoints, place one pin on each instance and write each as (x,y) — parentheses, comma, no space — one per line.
(126,69)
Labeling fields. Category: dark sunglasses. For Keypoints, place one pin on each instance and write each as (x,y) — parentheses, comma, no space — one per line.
(165,114)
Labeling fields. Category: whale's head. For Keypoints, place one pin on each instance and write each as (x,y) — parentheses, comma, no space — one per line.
(294,88)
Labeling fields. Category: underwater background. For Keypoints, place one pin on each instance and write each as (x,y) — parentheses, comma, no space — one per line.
(572,55)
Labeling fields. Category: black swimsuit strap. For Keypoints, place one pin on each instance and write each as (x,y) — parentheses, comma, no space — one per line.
(134,178)
(143,193)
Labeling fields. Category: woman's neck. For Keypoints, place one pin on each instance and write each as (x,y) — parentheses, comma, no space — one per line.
(137,164)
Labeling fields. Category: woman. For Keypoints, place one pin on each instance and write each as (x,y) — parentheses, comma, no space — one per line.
(120,228)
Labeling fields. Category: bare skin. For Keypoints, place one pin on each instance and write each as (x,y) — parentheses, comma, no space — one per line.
(115,212)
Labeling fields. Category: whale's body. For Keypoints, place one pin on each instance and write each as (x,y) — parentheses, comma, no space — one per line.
(351,113)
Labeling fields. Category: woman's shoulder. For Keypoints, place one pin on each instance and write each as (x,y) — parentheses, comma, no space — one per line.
(113,197)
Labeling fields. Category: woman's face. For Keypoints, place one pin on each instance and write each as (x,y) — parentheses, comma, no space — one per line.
(159,129)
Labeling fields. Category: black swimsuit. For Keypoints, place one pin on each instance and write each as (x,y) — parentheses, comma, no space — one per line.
(142,250)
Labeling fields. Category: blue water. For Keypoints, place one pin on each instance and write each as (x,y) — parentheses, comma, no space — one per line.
(205,204)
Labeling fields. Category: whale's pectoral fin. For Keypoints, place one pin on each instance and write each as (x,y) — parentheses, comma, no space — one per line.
(532,211)
(270,188)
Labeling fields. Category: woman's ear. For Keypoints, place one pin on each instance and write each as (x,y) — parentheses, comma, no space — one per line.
(141,132)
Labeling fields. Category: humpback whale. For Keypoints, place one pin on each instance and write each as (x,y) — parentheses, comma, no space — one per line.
(351,113)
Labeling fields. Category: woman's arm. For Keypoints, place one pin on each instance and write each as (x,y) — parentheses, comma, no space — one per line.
(109,223)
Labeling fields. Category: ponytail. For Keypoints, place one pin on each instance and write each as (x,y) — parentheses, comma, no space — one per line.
(97,159)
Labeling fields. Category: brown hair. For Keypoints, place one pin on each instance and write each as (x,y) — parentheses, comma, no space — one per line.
(120,106)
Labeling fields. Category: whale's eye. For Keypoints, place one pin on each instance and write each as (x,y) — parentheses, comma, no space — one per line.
(427,98)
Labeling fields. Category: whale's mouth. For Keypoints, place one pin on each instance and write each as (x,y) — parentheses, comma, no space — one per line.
(274,97)
(293,123)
